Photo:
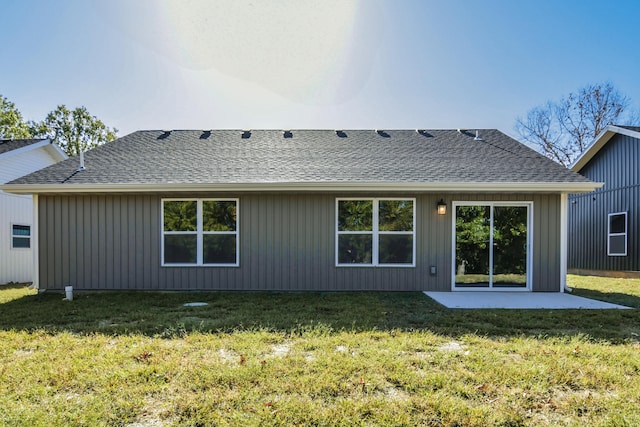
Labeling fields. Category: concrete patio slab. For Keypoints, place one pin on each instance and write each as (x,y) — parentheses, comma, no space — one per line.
(518,300)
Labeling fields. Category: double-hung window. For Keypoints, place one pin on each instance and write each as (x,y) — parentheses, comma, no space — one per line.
(375,232)
(617,234)
(20,236)
(200,232)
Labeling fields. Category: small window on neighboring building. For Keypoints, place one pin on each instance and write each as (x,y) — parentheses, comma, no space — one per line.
(617,239)
(20,236)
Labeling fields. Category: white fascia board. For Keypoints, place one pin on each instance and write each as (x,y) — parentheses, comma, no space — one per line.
(533,187)
(597,144)
(24,149)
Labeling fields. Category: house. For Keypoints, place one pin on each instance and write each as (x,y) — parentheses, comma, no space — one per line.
(293,210)
(17,158)
(604,226)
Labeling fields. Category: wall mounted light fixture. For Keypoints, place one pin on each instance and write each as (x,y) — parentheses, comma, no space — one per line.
(442,207)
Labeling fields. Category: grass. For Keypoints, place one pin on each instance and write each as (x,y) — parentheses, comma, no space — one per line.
(143,359)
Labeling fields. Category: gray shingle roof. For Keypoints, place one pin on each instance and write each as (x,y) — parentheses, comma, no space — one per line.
(308,156)
(7,145)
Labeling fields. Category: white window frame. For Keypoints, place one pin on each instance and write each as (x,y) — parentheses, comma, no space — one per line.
(625,234)
(200,232)
(491,288)
(18,248)
(375,232)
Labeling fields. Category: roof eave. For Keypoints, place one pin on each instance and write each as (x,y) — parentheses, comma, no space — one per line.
(440,187)
(600,141)
(26,148)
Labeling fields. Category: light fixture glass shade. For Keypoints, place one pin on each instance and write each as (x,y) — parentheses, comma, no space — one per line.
(442,207)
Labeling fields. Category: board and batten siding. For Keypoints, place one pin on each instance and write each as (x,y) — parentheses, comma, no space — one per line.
(287,243)
(617,164)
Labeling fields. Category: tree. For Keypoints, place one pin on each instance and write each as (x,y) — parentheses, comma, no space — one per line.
(563,130)
(74,131)
(12,125)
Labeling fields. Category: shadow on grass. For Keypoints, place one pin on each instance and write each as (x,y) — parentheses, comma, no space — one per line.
(163,314)
(612,297)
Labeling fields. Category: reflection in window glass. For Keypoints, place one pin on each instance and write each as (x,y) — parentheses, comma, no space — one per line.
(219,215)
(396,249)
(355,215)
(473,228)
(20,236)
(180,215)
(200,232)
(219,248)
(618,223)
(180,249)
(355,249)
(617,237)
(491,246)
(396,215)
(510,246)
(375,232)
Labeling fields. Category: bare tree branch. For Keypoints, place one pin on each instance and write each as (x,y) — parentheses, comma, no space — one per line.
(563,130)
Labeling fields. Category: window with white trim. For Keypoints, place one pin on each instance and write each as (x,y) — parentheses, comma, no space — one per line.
(20,236)
(375,232)
(200,232)
(617,234)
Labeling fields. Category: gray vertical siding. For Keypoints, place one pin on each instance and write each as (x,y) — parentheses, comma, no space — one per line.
(287,242)
(617,164)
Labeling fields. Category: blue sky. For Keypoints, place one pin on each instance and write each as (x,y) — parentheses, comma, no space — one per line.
(248,64)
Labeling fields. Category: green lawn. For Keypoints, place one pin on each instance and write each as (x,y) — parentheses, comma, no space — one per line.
(142,359)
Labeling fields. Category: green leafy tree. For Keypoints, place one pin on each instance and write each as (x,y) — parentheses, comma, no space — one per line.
(12,125)
(75,131)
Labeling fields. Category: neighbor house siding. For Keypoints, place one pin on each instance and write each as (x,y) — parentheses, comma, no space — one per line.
(287,242)
(16,265)
(617,164)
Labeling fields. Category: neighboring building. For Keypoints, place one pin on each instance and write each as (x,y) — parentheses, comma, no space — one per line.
(397,210)
(17,158)
(604,226)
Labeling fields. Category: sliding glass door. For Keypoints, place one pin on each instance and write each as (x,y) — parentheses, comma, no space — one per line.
(492,241)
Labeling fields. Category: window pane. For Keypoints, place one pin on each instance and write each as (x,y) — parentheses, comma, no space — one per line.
(219,248)
(219,215)
(396,249)
(617,245)
(180,249)
(396,215)
(180,215)
(617,224)
(21,242)
(473,225)
(355,215)
(510,246)
(22,230)
(355,248)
